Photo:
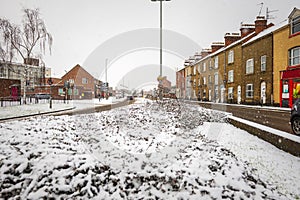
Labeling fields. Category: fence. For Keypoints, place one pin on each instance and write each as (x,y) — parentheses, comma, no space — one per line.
(9,101)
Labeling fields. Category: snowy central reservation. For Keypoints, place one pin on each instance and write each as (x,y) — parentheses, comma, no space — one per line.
(145,150)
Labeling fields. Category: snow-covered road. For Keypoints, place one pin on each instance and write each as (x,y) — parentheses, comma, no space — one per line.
(142,151)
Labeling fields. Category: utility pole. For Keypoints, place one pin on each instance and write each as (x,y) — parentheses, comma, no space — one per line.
(106,83)
(160,60)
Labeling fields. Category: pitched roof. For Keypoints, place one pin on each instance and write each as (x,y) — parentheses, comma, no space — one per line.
(224,48)
(266,32)
(77,68)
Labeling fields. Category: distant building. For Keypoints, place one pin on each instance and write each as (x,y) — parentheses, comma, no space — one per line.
(180,84)
(78,83)
(28,74)
(165,84)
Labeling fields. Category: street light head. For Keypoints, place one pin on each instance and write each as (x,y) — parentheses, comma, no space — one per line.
(160,0)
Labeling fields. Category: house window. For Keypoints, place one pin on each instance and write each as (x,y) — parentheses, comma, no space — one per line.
(199,68)
(294,56)
(216,62)
(84,81)
(263,63)
(36,77)
(216,78)
(2,72)
(249,66)
(61,91)
(230,93)
(209,79)
(194,70)
(230,76)
(210,64)
(231,57)
(295,25)
(76,91)
(204,93)
(204,67)
(19,73)
(249,91)
(204,80)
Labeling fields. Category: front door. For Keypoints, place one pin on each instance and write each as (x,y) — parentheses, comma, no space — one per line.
(263,92)
(239,94)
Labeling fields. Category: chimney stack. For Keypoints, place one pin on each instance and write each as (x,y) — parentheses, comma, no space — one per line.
(246,29)
(197,56)
(231,38)
(216,46)
(260,24)
(205,52)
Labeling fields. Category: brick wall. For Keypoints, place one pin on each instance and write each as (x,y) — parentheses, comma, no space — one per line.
(6,84)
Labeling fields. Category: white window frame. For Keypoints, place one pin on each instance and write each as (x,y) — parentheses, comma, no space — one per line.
(204,80)
(216,62)
(230,76)
(61,91)
(2,72)
(263,63)
(295,25)
(230,93)
(294,59)
(209,79)
(85,81)
(249,90)
(216,78)
(250,66)
(204,67)
(230,56)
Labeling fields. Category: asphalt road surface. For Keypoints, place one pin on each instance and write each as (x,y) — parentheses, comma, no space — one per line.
(274,118)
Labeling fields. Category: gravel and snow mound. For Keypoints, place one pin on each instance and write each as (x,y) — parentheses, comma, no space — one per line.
(142,151)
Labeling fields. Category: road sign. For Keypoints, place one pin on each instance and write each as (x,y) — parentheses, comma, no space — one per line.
(50,82)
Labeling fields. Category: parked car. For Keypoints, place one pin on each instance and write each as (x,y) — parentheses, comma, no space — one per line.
(129,97)
(295,118)
(42,96)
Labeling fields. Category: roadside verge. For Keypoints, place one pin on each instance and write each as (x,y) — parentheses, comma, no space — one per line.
(282,140)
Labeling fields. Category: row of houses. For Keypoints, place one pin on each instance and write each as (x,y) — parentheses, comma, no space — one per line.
(260,64)
(30,78)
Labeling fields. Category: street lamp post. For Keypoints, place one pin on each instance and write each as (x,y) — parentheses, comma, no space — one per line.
(160,35)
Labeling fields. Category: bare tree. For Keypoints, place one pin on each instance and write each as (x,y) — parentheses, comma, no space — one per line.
(33,34)
(24,41)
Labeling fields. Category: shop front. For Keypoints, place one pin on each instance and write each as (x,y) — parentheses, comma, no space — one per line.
(290,87)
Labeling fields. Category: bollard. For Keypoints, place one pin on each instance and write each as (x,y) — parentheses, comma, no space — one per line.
(50,102)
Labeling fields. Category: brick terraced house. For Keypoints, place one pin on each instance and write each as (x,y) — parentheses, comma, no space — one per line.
(259,65)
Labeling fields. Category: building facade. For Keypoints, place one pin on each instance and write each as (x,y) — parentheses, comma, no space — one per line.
(30,76)
(180,83)
(259,65)
(286,46)
(77,84)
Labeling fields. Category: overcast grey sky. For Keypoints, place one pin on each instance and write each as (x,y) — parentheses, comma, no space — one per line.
(79,27)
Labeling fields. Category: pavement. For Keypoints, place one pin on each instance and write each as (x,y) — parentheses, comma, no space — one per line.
(28,110)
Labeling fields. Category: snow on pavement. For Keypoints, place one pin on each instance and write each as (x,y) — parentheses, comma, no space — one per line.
(57,105)
(142,151)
